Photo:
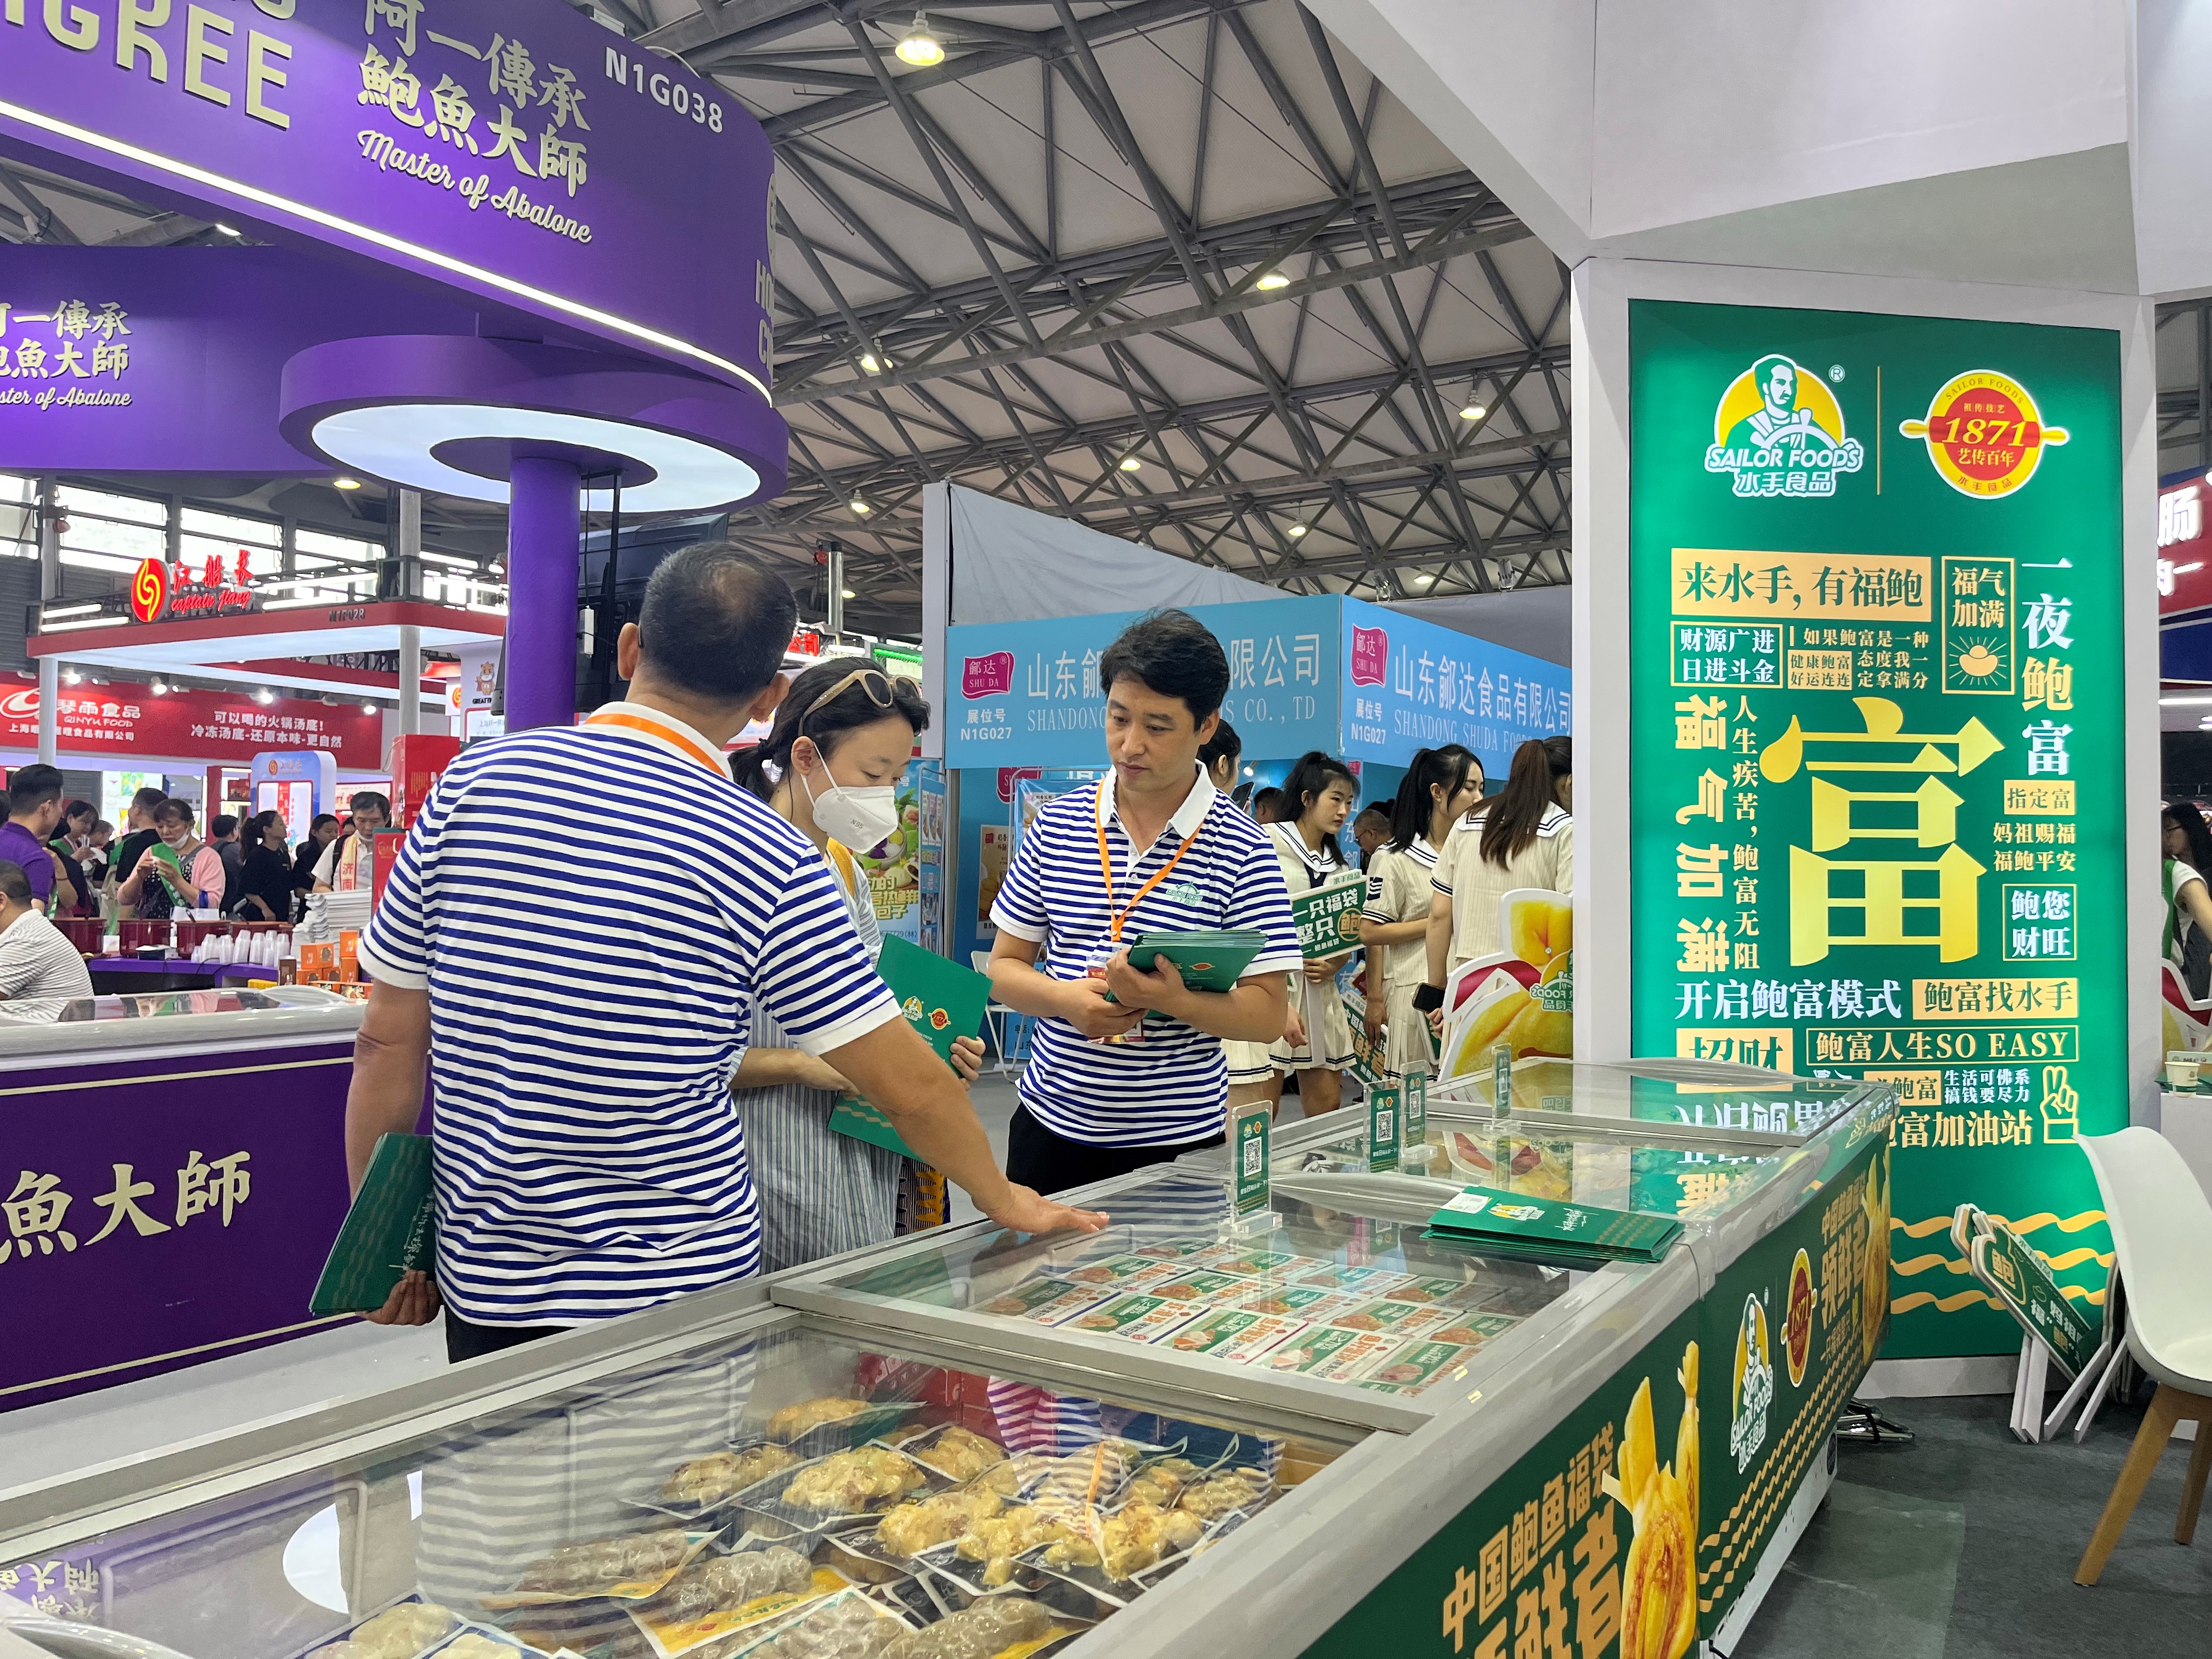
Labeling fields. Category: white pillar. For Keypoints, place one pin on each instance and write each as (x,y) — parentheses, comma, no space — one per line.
(411,638)
(49,589)
(410,679)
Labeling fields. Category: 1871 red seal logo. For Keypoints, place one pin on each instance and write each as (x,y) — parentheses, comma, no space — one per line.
(1985,434)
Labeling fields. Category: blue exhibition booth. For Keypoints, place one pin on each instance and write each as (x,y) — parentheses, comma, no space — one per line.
(1024,713)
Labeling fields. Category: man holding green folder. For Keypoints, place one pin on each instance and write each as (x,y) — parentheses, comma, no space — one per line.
(1126,1066)
(581,1033)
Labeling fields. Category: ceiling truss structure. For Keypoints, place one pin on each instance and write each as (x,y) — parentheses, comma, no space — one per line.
(1180,269)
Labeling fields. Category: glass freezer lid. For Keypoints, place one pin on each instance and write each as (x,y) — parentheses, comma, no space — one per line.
(781,1476)
(1690,1094)
(1349,1308)
(1566,1158)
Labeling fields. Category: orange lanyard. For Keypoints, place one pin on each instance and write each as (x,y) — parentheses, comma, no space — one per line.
(638,723)
(1116,918)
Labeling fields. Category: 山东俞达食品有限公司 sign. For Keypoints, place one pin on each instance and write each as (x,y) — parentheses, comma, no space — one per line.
(506,149)
(1879,764)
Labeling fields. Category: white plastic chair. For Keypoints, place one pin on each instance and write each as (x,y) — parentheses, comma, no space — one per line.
(997,1018)
(2161,1226)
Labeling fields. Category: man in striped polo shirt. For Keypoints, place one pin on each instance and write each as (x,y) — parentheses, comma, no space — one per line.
(1154,847)
(580,1001)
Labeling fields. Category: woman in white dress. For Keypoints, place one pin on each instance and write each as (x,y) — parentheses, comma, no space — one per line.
(1523,836)
(1441,785)
(1317,798)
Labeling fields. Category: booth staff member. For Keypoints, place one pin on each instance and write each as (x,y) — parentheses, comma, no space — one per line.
(581,1033)
(1154,847)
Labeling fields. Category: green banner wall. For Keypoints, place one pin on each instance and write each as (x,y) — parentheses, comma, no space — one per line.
(1876,718)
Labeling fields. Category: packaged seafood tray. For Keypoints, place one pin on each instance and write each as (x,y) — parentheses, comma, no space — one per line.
(703,1487)
(402,1631)
(839,1487)
(723,1595)
(830,1423)
(627,1567)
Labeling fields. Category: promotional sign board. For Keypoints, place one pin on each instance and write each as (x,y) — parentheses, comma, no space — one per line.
(220,725)
(1878,793)
(510,150)
(1320,672)
(172,360)
(2184,545)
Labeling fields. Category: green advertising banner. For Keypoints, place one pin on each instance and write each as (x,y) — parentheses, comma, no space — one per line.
(1801,1315)
(1877,814)
(1586,1545)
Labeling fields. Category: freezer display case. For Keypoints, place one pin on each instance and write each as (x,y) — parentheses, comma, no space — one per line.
(176,1170)
(1327,1433)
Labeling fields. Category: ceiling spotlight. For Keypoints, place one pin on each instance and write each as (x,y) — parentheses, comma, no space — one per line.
(370,708)
(1423,579)
(1130,463)
(919,45)
(1296,530)
(860,507)
(264,696)
(1272,280)
(346,483)
(848,593)
(227,230)
(72,678)
(161,688)
(872,364)
(1472,411)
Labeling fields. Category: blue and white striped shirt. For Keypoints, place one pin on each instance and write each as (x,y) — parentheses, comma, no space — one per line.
(589,998)
(1172,1088)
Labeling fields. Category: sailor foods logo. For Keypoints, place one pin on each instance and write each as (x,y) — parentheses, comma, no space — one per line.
(1779,430)
(1754,1384)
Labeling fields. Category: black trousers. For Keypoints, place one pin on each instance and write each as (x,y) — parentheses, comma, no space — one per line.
(1050,1162)
(464,1340)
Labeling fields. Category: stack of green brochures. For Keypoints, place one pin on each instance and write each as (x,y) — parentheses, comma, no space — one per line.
(1546,1230)
(942,1001)
(1208,959)
(389,1231)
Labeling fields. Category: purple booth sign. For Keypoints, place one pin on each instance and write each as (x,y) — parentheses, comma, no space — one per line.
(511,150)
(172,360)
(165,1212)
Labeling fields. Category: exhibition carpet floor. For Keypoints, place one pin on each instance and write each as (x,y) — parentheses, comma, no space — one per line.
(1963,1547)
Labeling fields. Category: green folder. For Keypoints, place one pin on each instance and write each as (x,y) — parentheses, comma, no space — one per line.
(1549,1231)
(1208,959)
(391,1230)
(943,1001)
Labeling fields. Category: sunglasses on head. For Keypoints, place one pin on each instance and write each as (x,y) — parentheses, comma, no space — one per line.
(874,681)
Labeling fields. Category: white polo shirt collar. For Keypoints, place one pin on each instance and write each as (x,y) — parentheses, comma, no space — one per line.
(1187,817)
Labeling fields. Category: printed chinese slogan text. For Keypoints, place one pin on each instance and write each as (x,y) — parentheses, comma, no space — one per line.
(1877,810)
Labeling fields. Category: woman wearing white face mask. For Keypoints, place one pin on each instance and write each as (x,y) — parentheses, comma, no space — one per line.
(830,765)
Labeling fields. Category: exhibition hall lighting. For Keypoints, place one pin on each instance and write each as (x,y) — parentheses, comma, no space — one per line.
(919,45)
(227,230)
(871,364)
(860,507)
(346,483)
(1130,463)
(848,593)
(369,709)
(264,696)
(1472,411)
(161,688)
(1272,280)
(399,442)
(1296,530)
(72,678)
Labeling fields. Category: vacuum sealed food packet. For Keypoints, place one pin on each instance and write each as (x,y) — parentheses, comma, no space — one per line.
(400,1632)
(849,1625)
(833,1423)
(997,1627)
(699,1486)
(840,1487)
(628,1568)
(483,1641)
(726,1593)
(958,1454)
